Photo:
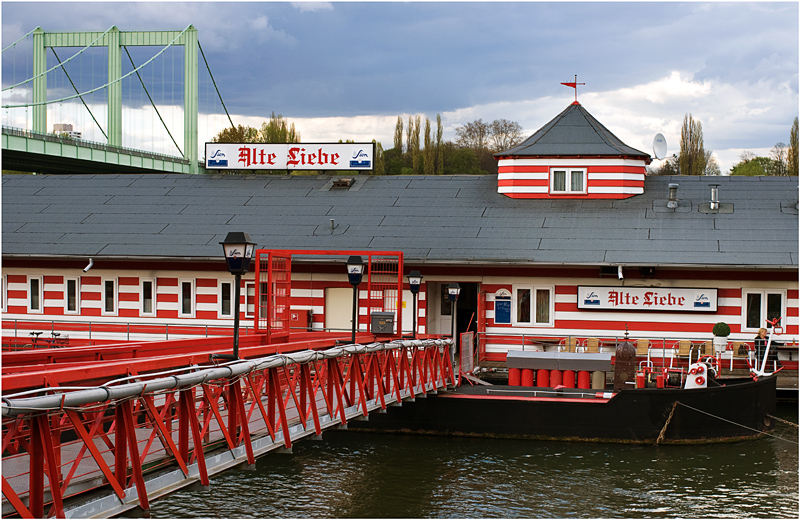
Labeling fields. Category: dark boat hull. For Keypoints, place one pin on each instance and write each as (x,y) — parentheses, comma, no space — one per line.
(719,413)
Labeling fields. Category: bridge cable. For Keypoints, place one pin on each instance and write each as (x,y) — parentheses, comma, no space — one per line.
(101,86)
(16,42)
(152,103)
(215,84)
(59,65)
(76,90)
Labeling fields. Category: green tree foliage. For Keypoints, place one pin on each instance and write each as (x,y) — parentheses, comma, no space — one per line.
(791,159)
(398,135)
(460,161)
(278,130)
(486,139)
(237,134)
(692,158)
(378,167)
(749,165)
(429,155)
(439,152)
(413,145)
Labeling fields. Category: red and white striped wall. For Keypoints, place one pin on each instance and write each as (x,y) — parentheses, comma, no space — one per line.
(530,178)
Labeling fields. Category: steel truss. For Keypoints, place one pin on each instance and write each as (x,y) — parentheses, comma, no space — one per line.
(139,438)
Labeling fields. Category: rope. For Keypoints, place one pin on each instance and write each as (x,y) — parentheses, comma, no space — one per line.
(790,423)
(215,84)
(76,90)
(60,64)
(740,425)
(102,86)
(152,103)
(664,429)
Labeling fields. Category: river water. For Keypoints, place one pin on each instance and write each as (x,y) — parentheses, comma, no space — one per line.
(351,474)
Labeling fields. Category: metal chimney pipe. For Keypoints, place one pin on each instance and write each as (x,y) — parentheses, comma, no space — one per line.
(714,203)
(673,196)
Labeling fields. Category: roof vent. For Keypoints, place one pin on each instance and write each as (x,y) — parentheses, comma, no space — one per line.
(714,202)
(342,183)
(673,196)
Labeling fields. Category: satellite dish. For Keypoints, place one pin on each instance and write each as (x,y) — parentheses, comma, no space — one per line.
(659,146)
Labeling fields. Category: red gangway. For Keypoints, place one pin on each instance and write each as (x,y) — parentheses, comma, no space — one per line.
(93,431)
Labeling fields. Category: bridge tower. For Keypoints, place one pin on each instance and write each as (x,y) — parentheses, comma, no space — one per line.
(115,39)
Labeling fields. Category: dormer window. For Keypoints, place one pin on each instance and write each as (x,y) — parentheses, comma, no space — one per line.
(567,180)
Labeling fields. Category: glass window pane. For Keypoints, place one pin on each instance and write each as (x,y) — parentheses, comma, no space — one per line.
(250,299)
(542,306)
(147,297)
(559,180)
(186,297)
(35,302)
(577,181)
(523,305)
(109,296)
(753,311)
(774,306)
(226,299)
(72,295)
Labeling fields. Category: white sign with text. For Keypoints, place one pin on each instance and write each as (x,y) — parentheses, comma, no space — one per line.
(647,299)
(291,156)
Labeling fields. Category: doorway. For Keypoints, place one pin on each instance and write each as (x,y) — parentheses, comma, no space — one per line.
(466,309)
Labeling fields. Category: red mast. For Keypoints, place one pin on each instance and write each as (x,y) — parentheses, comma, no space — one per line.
(574,85)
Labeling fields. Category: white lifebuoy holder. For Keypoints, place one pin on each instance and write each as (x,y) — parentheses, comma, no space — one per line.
(700,380)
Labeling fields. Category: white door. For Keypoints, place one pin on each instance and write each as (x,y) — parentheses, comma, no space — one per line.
(339,308)
(408,311)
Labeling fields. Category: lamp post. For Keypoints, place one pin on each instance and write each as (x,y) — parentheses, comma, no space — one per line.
(453,291)
(414,283)
(238,249)
(355,270)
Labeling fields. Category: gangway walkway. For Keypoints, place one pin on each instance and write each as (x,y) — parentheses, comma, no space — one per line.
(116,446)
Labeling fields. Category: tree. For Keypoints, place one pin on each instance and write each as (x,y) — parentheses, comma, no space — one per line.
(669,167)
(427,165)
(474,135)
(750,165)
(398,135)
(439,152)
(278,130)
(791,159)
(378,167)
(778,155)
(237,134)
(692,158)
(460,161)
(414,146)
(712,167)
(505,134)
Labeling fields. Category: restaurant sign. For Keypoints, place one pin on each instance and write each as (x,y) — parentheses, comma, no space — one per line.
(290,156)
(647,299)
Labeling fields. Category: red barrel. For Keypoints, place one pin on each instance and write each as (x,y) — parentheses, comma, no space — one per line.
(640,380)
(568,379)
(527,377)
(584,379)
(660,381)
(513,376)
(543,377)
(555,378)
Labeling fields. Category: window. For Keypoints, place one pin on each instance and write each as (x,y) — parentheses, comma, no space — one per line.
(568,180)
(35,294)
(71,296)
(250,299)
(760,306)
(148,298)
(532,306)
(187,298)
(109,296)
(225,299)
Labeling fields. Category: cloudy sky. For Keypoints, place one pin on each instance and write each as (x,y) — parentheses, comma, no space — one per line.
(347,70)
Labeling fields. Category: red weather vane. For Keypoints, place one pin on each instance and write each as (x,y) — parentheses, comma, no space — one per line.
(574,85)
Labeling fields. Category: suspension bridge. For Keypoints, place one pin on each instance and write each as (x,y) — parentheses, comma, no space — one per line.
(120,102)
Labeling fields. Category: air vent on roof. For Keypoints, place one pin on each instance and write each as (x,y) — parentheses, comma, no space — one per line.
(342,183)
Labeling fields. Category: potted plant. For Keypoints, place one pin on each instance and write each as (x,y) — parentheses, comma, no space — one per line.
(721,332)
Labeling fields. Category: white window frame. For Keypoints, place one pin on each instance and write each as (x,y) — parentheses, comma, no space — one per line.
(193,298)
(232,294)
(248,287)
(568,180)
(77,309)
(103,297)
(532,288)
(40,309)
(763,293)
(154,293)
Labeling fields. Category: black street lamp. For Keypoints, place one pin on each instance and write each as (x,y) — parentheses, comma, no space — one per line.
(414,283)
(355,270)
(453,291)
(238,249)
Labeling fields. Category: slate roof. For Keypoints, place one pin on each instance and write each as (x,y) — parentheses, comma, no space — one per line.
(448,219)
(573,132)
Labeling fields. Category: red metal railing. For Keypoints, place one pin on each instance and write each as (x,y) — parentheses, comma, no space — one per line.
(187,424)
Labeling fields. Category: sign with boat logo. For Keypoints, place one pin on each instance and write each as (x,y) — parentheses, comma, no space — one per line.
(290,156)
(647,299)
